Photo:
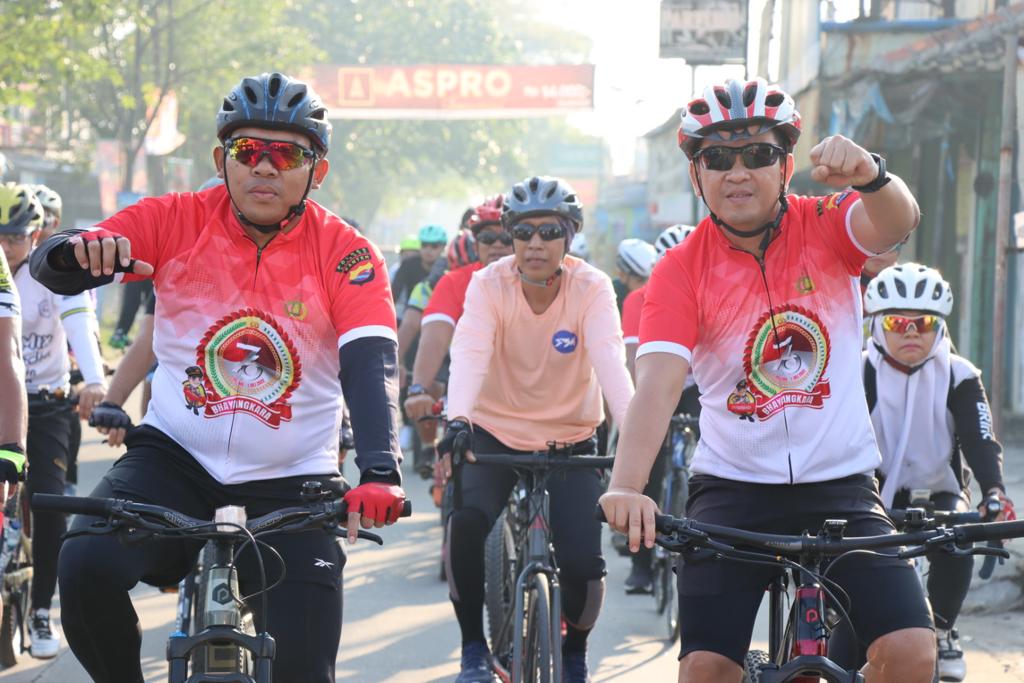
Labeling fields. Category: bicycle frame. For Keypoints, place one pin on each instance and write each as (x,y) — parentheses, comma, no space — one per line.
(538,559)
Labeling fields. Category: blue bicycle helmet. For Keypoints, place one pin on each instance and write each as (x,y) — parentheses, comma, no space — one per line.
(433,234)
(277,102)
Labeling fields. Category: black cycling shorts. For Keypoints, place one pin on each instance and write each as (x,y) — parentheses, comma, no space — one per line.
(719,599)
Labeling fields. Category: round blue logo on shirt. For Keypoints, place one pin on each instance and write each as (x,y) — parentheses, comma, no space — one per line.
(564,341)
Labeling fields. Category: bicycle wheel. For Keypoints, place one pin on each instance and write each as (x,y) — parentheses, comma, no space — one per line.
(217,658)
(752,665)
(17,586)
(500,584)
(536,651)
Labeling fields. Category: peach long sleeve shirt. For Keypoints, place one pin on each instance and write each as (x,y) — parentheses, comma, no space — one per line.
(532,378)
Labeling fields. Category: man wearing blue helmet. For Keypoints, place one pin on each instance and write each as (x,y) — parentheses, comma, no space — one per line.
(265,299)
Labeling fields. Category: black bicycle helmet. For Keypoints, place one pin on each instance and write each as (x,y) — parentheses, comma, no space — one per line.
(277,102)
(541,196)
(20,210)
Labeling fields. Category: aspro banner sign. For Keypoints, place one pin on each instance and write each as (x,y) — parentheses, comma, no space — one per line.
(449,91)
(704,31)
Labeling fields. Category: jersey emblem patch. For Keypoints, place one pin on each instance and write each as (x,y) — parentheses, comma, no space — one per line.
(741,402)
(361,274)
(564,341)
(296,310)
(250,366)
(785,360)
(353,259)
(831,202)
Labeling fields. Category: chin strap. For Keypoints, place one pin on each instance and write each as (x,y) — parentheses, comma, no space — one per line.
(540,283)
(293,211)
(902,367)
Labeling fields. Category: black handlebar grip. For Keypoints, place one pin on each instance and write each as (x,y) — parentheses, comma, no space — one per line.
(599,514)
(95,507)
(406,508)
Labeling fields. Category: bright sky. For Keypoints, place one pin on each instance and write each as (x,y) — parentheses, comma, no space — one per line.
(635,90)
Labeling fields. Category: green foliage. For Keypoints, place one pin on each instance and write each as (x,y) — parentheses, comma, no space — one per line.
(98,68)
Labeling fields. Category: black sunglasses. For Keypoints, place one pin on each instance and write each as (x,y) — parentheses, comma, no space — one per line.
(754,155)
(489,238)
(549,232)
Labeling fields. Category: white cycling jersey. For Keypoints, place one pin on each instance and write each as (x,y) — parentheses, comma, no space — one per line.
(49,322)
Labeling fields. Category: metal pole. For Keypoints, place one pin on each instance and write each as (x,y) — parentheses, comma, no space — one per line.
(1003,231)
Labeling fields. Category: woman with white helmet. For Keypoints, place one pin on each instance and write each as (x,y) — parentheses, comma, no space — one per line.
(932,423)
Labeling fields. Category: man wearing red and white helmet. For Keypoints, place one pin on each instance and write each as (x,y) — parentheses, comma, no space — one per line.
(763,295)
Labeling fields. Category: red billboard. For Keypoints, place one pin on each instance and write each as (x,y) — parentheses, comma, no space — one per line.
(453,90)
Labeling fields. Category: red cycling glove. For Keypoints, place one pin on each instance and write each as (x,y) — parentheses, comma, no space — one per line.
(379,501)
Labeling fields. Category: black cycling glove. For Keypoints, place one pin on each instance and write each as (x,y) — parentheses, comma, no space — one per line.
(12,463)
(458,433)
(109,415)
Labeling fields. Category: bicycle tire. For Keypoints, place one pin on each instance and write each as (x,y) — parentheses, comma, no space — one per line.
(17,592)
(201,658)
(538,664)
(752,662)
(500,583)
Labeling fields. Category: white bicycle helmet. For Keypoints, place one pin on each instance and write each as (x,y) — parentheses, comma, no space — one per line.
(636,257)
(909,286)
(579,247)
(671,236)
(49,199)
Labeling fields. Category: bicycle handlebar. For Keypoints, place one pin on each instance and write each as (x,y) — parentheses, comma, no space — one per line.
(320,512)
(692,532)
(917,518)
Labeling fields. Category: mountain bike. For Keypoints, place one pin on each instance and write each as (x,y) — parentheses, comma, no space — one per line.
(682,440)
(16,563)
(523,596)
(798,637)
(216,634)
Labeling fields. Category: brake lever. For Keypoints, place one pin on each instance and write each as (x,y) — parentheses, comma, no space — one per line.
(1001,553)
(341,532)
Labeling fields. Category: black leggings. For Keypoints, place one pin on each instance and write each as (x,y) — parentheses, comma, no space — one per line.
(949,576)
(96,572)
(484,491)
(50,429)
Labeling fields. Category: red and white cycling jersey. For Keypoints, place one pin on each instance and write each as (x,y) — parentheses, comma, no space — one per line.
(247,339)
(449,296)
(632,305)
(775,349)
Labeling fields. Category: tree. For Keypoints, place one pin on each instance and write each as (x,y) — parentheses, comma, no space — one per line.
(378,162)
(150,48)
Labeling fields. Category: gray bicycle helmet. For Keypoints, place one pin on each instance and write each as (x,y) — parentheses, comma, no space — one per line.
(542,196)
(277,102)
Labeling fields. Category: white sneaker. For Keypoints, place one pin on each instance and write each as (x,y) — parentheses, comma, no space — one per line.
(45,642)
(952,666)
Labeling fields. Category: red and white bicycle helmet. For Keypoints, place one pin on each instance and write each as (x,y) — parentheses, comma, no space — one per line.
(732,107)
(462,250)
(488,213)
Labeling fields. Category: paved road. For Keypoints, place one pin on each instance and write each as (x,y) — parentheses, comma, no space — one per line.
(399,626)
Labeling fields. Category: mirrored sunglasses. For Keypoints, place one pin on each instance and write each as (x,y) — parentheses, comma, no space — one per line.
(755,155)
(284,156)
(901,324)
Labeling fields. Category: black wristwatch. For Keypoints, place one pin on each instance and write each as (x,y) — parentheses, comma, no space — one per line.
(416,390)
(880,181)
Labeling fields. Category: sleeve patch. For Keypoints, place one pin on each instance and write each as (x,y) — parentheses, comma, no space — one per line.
(352,259)
(831,202)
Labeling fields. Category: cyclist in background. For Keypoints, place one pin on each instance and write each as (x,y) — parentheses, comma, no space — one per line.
(49,323)
(12,385)
(265,300)
(579,247)
(445,307)
(933,425)
(761,300)
(407,248)
(537,343)
(432,240)
(635,261)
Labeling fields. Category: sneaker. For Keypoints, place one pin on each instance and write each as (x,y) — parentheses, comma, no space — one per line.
(45,643)
(476,664)
(952,666)
(574,667)
(641,579)
(119,340)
